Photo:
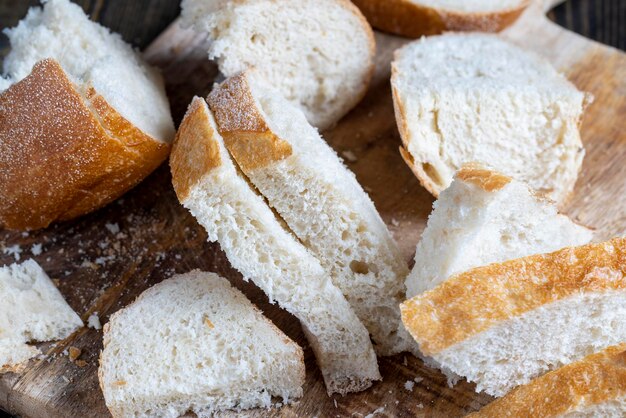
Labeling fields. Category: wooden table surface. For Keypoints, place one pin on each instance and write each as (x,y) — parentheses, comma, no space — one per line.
(140,21)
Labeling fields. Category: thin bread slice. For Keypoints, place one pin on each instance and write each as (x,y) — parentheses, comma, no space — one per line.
(415,18)
(318,53)
(503,324)
(592,387)
(263,250)
(486,217)
(194,343)
(76,133)
(460,98)
(32,309)
(304,180)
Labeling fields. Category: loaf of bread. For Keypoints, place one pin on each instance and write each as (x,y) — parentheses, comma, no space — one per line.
(84,118)
(193,343)
(31,309)
(318,53)
(304,180)
(486,217)
(415,18)
(592,387)
(461,98)
(504,324)
(263,250)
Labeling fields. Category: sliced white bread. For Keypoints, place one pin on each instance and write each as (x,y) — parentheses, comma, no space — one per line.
(193,343)
(592,387)
(485,217)
(304,180)
(259,246)
(32,309)
(504,324)
(460,98)
(76,130)
(318,53)
(415,18)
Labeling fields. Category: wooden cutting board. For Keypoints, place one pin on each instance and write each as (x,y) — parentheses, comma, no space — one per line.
(102,261)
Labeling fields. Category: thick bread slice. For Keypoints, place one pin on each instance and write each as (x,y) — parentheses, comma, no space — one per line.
(460,98)
(592,387)
(75,99)
(485,217)
(32,309)
(319,198)
(503,324)
(194,343)
(264,251)
(318,53)
(415,18)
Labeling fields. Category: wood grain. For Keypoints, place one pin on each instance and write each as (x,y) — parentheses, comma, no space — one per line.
(101,270)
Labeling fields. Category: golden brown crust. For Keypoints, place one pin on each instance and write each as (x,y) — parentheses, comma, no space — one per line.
(472,302)
(595,379)
(242,124)
(407,18)
(480,176)
(62,155)
(195,151)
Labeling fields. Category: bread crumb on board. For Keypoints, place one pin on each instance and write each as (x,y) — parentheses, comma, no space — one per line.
(408,385)
(94,321)
(35,249)
(113,228)
(14,250)
(375,412)
(74,353)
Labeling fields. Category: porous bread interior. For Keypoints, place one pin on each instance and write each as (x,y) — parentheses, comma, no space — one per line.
(471,227)
(32,309)
(93,56)
(515,351)
(324,205)
(475,97)
(470,6)
(262,250)
(612,409)
(318,53)
(194,343)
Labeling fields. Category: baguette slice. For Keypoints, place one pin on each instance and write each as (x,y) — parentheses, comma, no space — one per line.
(485,217)
(415,18)
(318,53)
(194,343)
(592,387)
(264,251)
(460,98)
(32,309)
(76,132)
(305,182)
(504,324)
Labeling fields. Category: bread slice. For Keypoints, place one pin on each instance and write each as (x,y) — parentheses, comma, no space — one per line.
(318,53)
(194,343)
(264,251)
(592,387)
(503,324)
(415,18)
(305,182)
(485,217)
(75,95)
(32,309)
(460,98)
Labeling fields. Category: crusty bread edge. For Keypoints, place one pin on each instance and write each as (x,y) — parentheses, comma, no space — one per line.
(562,390)
(466,304)
(125,153)
(409,19)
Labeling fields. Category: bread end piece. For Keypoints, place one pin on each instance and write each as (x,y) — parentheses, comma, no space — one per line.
(583,386)
(410,19)
(251,142)
(64,151)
